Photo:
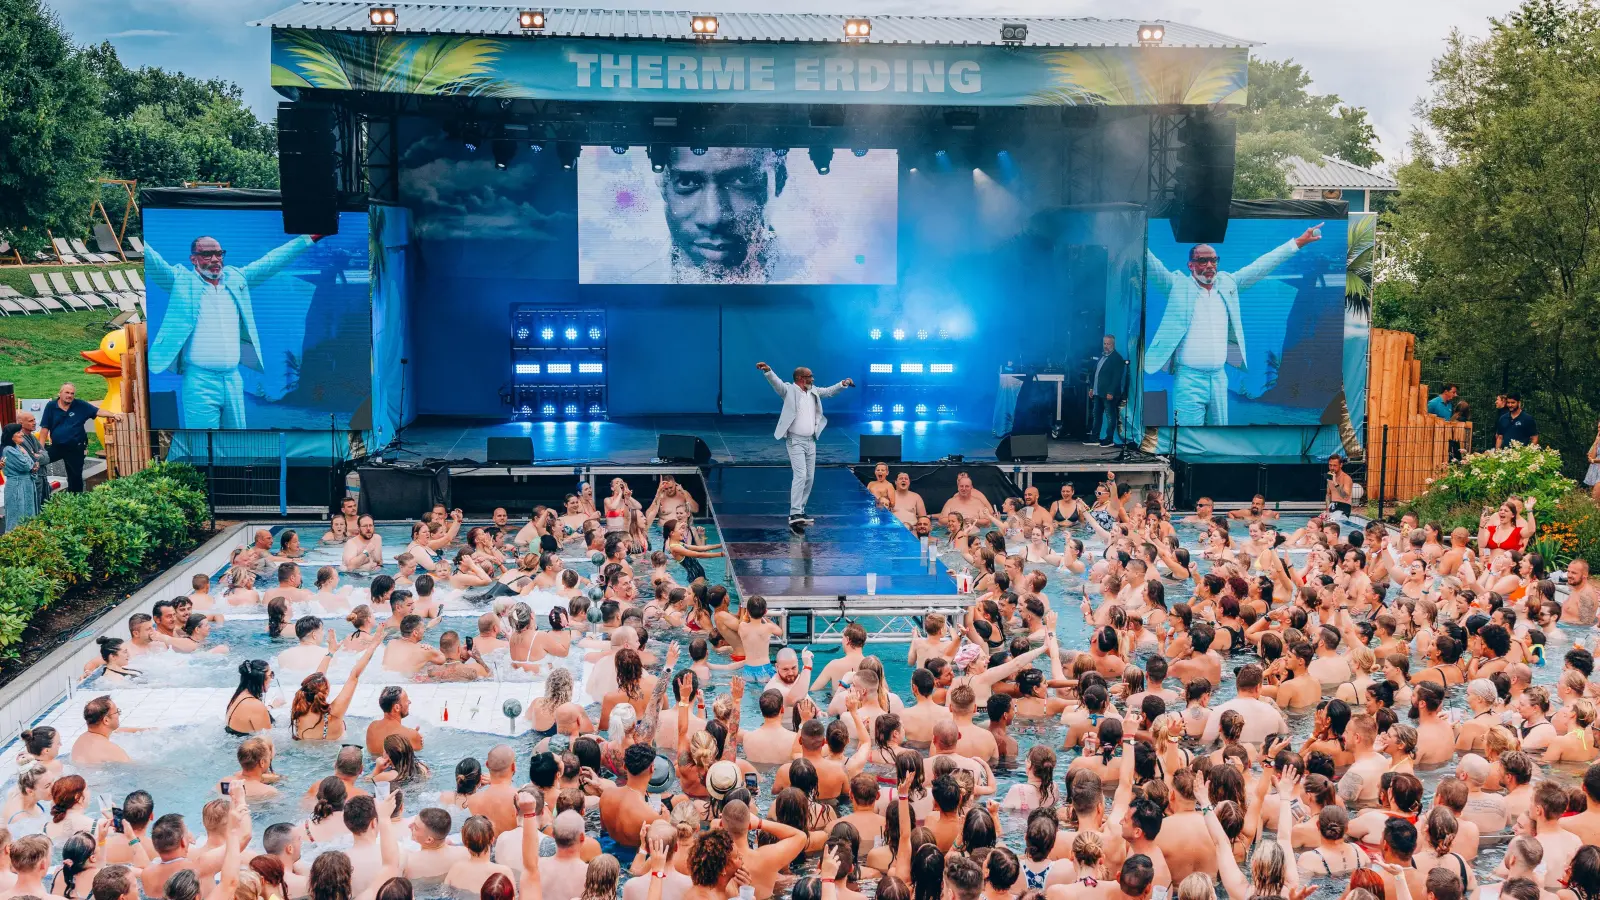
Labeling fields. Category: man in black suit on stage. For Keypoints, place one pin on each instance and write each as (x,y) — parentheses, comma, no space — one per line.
(1108,386)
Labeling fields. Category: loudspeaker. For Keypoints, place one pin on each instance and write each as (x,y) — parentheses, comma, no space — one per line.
(1036,407)
(510,451)
(683,448)
(877,448)
(394,493)
(1022,448)
(307,166)
(1204,177)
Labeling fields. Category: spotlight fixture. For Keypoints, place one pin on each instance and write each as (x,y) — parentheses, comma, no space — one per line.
(505,150)
(1152,34)
(531,19)
(859,151)
(899,334)
(822,158)
(568,152)
(698,151)
(471,136)
(382,16)
(857,28)
(536,146)
(704,26)
(619,149)
(1012,33)
(875,333)
(659,155)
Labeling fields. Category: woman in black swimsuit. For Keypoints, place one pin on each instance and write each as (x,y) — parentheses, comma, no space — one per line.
(247,711)
(1069,509)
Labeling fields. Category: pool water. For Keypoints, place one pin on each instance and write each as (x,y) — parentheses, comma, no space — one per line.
(181,766)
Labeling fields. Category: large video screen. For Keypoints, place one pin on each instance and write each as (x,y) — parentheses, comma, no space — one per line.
(1249,331)
(736,215)
(251,328)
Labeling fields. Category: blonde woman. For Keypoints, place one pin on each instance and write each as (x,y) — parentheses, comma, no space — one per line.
(1576,739)
(1081,880)
(1363,662)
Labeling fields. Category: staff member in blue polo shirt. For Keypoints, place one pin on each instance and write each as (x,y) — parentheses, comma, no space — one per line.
(1444,405)
(62,427)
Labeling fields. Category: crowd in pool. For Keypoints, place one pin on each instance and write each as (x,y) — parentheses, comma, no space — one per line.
(838,784)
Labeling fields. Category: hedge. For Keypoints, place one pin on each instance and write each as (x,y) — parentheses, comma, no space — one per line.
(113,536)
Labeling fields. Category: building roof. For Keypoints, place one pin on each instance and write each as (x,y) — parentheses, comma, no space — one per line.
(343,15)
(1336,173)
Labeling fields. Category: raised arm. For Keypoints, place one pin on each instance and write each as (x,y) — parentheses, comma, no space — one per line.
(341,703)
(1233,880)
(238,827)
(772,378)
(1009,667)
(529,888)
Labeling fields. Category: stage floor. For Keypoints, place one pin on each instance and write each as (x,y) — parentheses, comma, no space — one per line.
(732,439)
(851,538)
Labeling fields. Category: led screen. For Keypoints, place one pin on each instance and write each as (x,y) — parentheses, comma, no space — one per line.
(251,328)
(736,215)
(1247,331)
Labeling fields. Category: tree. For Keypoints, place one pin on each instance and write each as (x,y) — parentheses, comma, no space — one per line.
(1498,219)
(1283,118)
(50,128)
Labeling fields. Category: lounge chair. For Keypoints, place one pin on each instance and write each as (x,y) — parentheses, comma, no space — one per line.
(125,299)
(119,281)
(12,306)
(40,286)
(135,279)
(136,246)
(105,240)
(64,252)
(85,253)
(89,295)
(29,305)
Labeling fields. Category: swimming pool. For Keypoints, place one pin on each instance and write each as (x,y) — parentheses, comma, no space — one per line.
(182,752)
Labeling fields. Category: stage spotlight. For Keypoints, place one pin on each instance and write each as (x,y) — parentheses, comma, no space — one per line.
(922,334)
(571,410)
(568,152)
(943,410)
(922,409)
(704,26)
(505,150)
(591,368)
(898,409)
(547,334)
(522,333)
(941,368)
(548,410)
(911,368)
(660,155)
(859,152)
(595,410)
(875,334)
(1152,34)
(559,368)
(619,149)
(857,28)
(875,409)
(527,368)
(1013,33)
(899,334)
(531,19)
(944,334)
(471,136)
(942,159)
(382,17)
(698,151)
(881,368)
(536,146)
(527,410)
(571,333)
(822,158)
(594,334)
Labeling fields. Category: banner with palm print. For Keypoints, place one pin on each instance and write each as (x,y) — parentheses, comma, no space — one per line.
(882,74)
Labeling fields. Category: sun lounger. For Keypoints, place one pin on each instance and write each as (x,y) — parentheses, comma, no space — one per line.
(64,251)
(11,306)
(89,295)
(138,247)
(85,253)
(29,305)
(105,240)
(137,280)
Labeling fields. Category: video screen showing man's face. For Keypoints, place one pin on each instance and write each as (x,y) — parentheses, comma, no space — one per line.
(716,204)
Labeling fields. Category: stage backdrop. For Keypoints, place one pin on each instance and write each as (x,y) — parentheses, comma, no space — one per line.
(254,329)
(1264,344)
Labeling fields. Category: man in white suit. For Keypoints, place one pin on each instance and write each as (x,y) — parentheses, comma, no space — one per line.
(1202,321)
(799,426)
(209,328)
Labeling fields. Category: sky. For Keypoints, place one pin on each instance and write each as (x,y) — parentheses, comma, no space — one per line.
(1372,53)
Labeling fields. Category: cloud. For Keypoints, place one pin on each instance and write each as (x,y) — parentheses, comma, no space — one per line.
(142,33)
(470,198)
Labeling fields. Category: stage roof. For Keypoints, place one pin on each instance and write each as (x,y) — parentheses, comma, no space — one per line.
(427,18)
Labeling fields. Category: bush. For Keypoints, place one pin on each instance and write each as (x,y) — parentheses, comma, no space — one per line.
(1459,496)
(116,534)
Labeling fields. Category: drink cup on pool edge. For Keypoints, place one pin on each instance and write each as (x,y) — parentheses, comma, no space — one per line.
(872,583)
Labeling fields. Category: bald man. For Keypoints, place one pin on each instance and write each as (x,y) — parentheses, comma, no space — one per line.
(799,426)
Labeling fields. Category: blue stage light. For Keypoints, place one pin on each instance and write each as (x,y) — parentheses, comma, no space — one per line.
(882,368)
(547,334)
(527,410)
(594,334)
(922,409)
(590,368)
(559,368)
(527,368)
(548,410)
(922,334)
(594,410)
(875,333)
(859,151)
(911,368)
(941,368)
(943,410)
(875,409)
(898,409)
(571,333)
(522,333)
(942,159)
(944,334)
(899,334)
(572,410)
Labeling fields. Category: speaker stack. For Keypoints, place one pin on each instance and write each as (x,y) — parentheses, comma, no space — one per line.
(1204,177)
(307,169)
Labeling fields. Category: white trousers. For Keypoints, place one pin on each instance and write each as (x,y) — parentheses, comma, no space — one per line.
(803,459)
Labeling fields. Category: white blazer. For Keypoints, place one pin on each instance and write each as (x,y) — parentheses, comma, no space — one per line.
(793,396)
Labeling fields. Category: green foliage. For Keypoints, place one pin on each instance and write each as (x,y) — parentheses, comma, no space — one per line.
(1496,224)
(1484,480)
(111,536)
(1284,118)
(50,128)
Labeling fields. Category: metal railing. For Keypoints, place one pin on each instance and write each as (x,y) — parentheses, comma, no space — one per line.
(247,472)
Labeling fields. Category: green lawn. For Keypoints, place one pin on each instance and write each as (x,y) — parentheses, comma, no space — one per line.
(38,353)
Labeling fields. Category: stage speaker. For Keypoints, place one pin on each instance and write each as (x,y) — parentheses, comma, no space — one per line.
(510,451)
(683,448)
(876,448)
(1023,448)
(1204,177)
(307,168)
(1036,407)
(399,493)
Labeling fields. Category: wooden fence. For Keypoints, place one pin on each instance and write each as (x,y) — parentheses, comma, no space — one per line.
(1406,445)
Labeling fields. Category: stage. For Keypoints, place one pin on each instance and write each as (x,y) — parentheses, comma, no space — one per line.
(743,440)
